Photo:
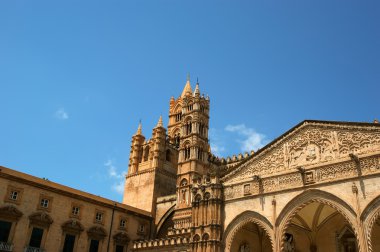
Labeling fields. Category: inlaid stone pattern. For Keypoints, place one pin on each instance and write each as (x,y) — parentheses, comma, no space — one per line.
(309,145)
(327,173)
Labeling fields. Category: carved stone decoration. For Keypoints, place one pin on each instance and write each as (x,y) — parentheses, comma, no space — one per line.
(40,219)
(309,177)
(72,226)
(10,213)
(97,233)
(247,189)
(121,238)
(310,143)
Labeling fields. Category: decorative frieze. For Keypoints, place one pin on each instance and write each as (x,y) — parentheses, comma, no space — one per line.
(303,177)
(309,145)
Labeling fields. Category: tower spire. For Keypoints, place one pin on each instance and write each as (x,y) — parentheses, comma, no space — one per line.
(139,129)
(160,124)
(196,91)
(187,88)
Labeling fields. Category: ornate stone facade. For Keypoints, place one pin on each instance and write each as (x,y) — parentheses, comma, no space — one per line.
(315,188)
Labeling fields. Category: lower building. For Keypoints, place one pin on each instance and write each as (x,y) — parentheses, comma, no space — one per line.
(38,215)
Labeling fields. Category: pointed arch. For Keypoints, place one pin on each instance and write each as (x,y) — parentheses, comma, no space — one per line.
(369,216)
(300,201)
(240,221)
(167,217)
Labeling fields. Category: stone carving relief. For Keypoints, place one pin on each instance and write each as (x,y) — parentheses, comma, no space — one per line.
(247,189)
(324,173)
(310,144)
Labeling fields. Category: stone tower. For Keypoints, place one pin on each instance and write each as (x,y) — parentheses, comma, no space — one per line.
(152,169)
(188,131)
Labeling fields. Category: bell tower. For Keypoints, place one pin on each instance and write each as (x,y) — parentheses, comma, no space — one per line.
(152,169)
(188,132)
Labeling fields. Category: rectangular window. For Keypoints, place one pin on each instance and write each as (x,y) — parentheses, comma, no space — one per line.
(75,210)
(122,223)
(36,237)
(94,246)
(68,246)
(13,195)
(119,248)
(5,229)
(44,203)
(141,228)
(99,217)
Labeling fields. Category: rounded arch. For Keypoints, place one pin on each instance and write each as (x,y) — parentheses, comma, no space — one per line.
(369,217)
(300,201)
(197,198)
(240,221)
(196,238)
(205,237)
(165,219)
(207,196)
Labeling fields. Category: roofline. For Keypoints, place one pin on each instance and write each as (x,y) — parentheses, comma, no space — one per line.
(54,187)
(314,121)
(307,121)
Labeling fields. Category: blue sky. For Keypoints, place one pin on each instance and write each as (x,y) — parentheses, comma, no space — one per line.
(77,76)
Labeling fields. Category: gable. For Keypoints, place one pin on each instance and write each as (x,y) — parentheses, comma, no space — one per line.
(308,144)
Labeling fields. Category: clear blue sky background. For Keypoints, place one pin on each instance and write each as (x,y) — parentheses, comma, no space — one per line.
(76,76)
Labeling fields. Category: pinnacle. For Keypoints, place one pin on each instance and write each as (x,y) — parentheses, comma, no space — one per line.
(139,129)
(187,88)
(160,124)
(196,91)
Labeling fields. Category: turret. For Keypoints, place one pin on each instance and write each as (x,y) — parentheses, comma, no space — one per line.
(159,137)
(136,150)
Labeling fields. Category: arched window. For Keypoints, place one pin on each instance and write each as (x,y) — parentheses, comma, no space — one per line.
(187,152)
(183,182)
(198,198)
(188,128)
(177,140)
(199,154)
(196,238)
(205,237)
(178,117)
(146,153)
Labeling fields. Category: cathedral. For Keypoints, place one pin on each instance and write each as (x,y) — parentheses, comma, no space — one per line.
(315,188)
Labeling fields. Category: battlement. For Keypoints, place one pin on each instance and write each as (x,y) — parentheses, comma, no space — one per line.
(160,243)
(230,161)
